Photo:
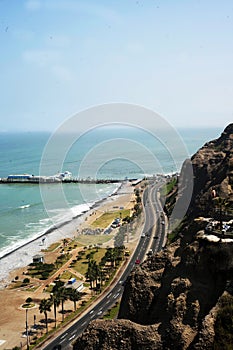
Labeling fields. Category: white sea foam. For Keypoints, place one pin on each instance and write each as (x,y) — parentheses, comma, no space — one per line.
(21,251)
(24,206)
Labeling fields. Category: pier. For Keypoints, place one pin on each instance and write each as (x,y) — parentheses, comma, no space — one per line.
(63,177)
(56,181)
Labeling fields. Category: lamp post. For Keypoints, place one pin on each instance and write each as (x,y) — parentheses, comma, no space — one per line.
(27,328)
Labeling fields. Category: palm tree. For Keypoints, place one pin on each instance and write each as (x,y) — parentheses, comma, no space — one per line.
(101,275)
(90,274)
(55,300)
(45,306)
(63,296)
(111,256)
(96,272)
(74,296)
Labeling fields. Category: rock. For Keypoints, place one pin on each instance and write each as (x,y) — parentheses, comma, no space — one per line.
(119,334)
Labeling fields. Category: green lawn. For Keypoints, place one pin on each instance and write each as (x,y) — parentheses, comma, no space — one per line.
(94,239)
(166,189)
(74,244)
(81,265)
(107,218)
(66,275)
(113,312)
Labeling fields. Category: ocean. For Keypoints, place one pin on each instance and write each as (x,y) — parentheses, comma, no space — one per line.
(29,210)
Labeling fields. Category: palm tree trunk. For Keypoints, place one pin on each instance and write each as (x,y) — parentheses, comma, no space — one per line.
(62,309)
(55,314)
(46,321)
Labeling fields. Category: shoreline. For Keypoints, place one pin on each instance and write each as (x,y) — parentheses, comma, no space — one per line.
(22,256)
(51,229)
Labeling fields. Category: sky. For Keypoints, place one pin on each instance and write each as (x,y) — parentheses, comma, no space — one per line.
(59,57)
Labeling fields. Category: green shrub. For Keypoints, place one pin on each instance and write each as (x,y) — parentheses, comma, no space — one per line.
(26,280)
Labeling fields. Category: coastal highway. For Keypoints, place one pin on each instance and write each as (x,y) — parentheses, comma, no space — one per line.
(152,228)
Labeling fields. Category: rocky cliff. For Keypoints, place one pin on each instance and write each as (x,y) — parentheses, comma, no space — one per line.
(181,298)
(213,171)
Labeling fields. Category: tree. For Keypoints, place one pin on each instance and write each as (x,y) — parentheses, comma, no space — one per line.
(74,296)
(58,285)
(90,274)
(63,295)
(89,256)
(55,300)
(26,280)
(111,256)
(65,242)
(44,307)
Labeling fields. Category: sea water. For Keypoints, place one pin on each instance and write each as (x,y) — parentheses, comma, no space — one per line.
(27,212)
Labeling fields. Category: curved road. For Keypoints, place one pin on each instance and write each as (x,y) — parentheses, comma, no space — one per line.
(154,232)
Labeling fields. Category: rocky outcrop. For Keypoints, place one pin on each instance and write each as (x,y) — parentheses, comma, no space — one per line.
(213,171)
(172,300)
(121,334)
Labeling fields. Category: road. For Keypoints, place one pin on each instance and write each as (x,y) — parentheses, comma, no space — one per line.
(153,227)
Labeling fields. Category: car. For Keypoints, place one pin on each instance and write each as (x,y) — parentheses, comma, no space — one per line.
(143,235)
(162,222)
(156,237)
(137,261)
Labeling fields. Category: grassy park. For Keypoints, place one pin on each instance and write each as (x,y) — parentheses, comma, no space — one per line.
(107,218)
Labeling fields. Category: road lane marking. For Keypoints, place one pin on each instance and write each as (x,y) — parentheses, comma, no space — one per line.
(73,336)
(64,335)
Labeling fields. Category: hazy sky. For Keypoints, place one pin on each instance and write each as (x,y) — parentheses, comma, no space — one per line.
(59,57)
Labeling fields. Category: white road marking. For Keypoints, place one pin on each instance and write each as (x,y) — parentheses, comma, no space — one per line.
(73,336)
(116,295)
(64,335)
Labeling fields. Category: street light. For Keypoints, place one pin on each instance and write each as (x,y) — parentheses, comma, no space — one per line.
(27,328)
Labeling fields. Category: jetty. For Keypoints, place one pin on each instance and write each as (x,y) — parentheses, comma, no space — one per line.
(44,180)
(65,177)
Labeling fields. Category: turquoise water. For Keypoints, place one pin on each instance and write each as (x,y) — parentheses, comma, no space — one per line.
(105,153)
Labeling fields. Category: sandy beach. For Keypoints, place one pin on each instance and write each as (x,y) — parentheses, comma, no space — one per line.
(23,255)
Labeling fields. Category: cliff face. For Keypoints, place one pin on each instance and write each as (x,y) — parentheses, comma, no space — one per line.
(172,300)
(213,170)
(182,286)
(121,334)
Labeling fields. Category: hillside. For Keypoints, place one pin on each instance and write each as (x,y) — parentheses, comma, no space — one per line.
(182,297)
